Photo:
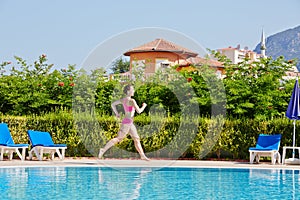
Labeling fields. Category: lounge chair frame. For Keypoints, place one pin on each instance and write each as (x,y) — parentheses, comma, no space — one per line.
(10,150)
(39,152)
(8,146)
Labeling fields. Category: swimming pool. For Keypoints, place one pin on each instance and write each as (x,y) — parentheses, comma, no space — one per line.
(147,183)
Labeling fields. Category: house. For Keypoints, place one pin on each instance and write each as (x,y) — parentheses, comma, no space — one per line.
(160,53)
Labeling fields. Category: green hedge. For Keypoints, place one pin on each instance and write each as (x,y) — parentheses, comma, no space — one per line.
(167,138)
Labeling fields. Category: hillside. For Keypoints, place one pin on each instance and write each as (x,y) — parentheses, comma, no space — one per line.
(286,43)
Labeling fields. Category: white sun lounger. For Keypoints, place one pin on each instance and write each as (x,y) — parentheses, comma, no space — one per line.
(7,144)
(42,143)
(266,146)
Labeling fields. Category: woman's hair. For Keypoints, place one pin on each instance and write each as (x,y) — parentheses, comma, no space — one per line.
(126,88)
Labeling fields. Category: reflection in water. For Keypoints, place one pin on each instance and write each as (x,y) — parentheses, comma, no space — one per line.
(122,184)
(286,181)
(48,174)
(139,183)
(21,183)
(13,181)
(292,178)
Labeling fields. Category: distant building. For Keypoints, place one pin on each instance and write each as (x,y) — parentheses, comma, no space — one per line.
(237,55)
(292,73)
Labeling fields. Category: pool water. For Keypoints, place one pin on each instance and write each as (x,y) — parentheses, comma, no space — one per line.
(147,183)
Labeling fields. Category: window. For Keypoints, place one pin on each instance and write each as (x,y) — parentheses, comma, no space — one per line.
(161,63)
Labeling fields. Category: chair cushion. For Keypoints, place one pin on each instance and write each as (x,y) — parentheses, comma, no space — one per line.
(40,138)
(267,142)
(5,136)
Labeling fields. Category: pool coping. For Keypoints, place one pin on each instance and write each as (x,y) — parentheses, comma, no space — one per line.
(94,162)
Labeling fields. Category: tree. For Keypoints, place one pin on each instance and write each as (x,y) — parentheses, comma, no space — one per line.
(256,89)
(209,92)
(121,65)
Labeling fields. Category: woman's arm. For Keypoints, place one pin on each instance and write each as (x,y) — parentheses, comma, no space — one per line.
(114,108)
(137,108)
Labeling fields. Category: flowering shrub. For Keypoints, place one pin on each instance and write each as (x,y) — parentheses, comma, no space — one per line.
(253,90)
(34,89)
(61,84)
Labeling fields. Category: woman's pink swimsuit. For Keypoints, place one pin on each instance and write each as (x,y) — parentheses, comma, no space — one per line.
(127,109)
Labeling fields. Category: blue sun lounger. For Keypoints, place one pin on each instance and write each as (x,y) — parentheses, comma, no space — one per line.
(7,144)
(267,145)
(42,142)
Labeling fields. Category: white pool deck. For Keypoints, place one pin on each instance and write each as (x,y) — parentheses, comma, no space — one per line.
(94,162)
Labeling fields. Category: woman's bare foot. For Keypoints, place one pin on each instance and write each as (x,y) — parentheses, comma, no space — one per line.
(145,158)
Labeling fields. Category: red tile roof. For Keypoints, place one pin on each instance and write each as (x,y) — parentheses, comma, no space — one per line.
(162,45)
(203,61)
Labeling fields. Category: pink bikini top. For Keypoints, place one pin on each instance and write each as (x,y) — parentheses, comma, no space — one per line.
(126,107)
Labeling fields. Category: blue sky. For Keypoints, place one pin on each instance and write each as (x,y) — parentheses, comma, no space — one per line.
(68,30)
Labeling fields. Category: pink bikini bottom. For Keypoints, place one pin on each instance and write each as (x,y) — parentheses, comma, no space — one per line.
(127,121)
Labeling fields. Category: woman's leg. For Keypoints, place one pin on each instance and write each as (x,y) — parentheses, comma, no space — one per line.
(137,143)
(121,134)
(108,145)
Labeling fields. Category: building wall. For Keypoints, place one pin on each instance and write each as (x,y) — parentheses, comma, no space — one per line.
(229,53)
(151,58)
(238,55)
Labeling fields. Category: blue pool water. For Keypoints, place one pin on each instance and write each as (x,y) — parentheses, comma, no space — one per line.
(147,183)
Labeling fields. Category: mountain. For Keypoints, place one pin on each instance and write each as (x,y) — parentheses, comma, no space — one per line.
(285,43)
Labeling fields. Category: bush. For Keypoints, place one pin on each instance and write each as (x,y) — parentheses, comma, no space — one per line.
(85,135)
